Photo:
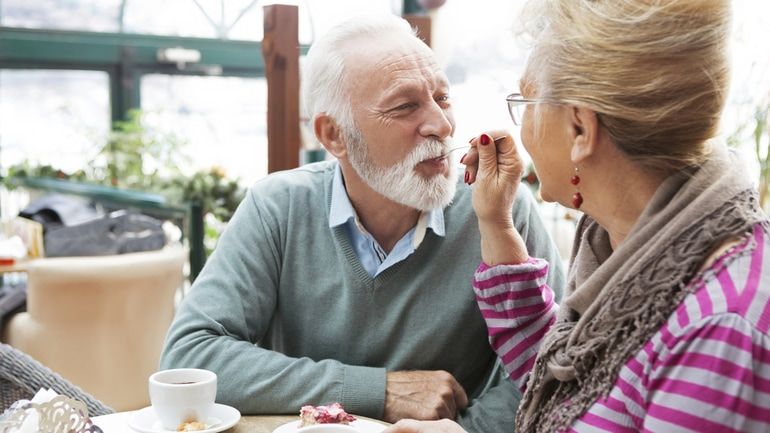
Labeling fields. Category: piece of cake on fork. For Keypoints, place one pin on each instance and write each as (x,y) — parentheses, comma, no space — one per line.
(331,414)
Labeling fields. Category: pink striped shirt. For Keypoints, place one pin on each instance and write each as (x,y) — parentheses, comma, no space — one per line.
(706,370)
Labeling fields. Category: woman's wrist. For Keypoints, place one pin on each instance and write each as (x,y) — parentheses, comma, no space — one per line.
(501,243)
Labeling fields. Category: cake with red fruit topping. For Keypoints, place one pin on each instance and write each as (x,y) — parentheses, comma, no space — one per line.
(331,414)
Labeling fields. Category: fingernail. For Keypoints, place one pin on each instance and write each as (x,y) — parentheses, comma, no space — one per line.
(484,139)
(467,176)
(463,158)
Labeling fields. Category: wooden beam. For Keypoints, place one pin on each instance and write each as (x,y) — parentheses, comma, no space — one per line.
(280,49)
(422,24)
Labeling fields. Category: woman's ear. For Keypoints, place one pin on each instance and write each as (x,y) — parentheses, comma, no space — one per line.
(329,134)
(584,130)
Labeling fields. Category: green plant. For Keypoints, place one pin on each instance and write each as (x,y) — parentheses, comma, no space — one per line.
(26,169)
(759,133)
(211,188)
(763,153)
(135,157)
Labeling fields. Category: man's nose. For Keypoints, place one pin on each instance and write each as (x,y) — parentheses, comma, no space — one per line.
(437,123)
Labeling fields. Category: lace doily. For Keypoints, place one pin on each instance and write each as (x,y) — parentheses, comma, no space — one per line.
(59,415)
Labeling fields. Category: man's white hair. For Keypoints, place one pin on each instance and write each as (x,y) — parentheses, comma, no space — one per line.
(324,87)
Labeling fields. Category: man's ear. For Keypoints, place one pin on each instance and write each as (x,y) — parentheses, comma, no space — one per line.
(329,134)
(584,133)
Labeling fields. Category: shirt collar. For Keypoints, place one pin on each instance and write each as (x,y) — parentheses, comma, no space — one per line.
(342,210)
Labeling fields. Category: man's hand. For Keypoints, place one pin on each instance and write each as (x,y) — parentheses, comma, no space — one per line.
(424,395)
(412,426)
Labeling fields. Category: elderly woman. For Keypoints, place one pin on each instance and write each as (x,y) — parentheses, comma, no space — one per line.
(665,323)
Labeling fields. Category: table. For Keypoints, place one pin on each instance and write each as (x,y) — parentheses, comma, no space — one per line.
(18,266)
(118,423)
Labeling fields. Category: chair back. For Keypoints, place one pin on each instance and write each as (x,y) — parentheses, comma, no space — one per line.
(100,321)
(21,377)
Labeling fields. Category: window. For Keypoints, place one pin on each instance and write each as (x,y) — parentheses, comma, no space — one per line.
(92,15)
(484,61)
(222,119)
(55,117)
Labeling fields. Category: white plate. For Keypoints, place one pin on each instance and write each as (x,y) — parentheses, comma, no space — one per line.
(222,418)
(362,425)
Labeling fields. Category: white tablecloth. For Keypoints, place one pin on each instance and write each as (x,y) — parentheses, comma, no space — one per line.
(114,423)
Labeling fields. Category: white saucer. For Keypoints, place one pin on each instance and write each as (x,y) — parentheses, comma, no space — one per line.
(222,418)
(362,425)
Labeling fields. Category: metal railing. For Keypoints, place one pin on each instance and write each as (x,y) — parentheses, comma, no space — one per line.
(189,216)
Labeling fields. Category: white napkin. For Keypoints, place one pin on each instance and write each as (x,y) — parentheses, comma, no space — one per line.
(13,247)
(32,421)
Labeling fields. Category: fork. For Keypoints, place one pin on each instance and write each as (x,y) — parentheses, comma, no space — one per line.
(466,146)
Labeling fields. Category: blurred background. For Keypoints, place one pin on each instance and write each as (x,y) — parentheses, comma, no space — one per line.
(172,96)
(131,129)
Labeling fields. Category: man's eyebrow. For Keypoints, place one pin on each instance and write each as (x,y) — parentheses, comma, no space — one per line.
(409,89)
(400,91)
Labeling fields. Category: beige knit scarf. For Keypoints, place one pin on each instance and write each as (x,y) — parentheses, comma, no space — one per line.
(616,300)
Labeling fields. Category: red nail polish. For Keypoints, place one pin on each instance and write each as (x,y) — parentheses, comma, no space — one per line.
(467,176)
(484,139)
(463,158)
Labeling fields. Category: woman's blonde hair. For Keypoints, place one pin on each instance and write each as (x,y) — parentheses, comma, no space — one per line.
(655,71)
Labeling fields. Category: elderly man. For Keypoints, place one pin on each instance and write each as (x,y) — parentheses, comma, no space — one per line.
(347,281)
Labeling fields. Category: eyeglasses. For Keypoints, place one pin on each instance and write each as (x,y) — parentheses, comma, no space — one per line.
(516,103)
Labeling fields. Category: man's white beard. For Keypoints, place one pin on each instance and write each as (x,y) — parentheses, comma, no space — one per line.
(400,182)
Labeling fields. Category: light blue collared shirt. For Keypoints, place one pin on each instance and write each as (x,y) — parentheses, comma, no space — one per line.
(372,257)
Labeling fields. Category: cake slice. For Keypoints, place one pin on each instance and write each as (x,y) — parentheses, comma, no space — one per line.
(331,414)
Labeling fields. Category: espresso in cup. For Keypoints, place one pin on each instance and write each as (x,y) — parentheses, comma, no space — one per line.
(182,395)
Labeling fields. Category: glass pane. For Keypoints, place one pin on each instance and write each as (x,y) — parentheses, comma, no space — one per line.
(238,19)
(750,74)
(172,17)
(245,23)
(53,117)
(225,19)
(90,15)
(223,119)
(317,16)
(482,62)
(230,19)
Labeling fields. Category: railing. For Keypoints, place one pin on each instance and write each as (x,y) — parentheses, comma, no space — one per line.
(189,216)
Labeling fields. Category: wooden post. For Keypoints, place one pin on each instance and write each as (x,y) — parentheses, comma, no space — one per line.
(422,24)
(280,48)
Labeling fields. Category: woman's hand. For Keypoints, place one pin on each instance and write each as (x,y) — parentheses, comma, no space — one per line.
(494,168)
(412,426)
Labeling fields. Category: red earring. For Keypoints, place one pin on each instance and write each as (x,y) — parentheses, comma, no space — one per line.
(577,198)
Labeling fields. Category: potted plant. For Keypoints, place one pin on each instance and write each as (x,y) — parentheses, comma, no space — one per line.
(137,158)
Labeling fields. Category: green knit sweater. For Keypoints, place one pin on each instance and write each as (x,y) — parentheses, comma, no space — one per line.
(285,314)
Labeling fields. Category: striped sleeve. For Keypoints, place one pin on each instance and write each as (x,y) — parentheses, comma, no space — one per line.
(518,308)
(715,377)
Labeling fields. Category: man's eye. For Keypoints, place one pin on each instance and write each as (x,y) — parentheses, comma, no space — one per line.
(442,98)
(406,106)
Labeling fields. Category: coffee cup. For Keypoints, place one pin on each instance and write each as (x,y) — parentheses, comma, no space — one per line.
(182,395)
